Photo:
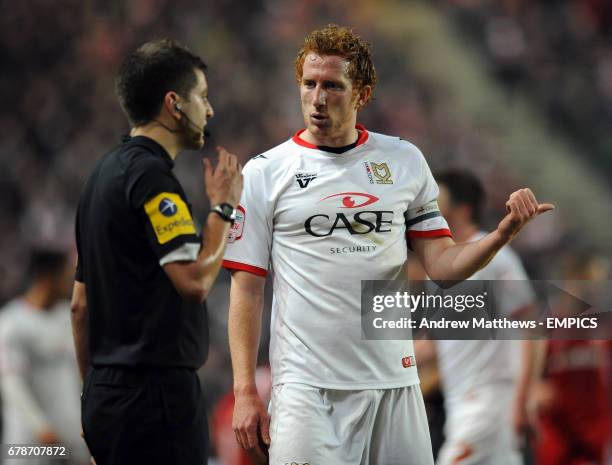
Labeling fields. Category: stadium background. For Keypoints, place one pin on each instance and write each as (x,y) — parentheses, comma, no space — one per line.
(518,91)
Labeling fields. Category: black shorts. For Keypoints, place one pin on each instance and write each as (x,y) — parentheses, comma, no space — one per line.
(144,415)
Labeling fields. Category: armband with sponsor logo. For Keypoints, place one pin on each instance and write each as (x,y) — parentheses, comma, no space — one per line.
(169,216)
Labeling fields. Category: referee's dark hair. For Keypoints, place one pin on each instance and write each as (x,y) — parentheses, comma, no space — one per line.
(151,71)
(464,188)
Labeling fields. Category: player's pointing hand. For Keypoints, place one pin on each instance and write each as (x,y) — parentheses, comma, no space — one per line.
(521,207)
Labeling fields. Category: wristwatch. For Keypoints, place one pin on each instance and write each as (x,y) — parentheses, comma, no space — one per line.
(225,211)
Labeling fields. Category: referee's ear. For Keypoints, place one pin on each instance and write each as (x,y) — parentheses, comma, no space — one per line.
(172,104)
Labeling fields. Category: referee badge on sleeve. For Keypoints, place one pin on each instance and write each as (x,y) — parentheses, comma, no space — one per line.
(169,216)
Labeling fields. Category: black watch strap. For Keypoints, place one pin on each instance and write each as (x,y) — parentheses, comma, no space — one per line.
(225,211)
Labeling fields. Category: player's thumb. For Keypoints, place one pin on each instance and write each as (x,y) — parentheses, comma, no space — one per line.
(265,428)
(545,207)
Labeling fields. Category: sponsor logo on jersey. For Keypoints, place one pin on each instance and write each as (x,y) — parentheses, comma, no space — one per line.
(235,232)
(169,216)
(368,172)
(361,222)
(303,179)
(428,207)
(428,211)
(167,207)
(351,249)
(352,199)
(407,362)
(380,172)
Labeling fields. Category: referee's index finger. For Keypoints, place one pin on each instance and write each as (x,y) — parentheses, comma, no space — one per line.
(223,155)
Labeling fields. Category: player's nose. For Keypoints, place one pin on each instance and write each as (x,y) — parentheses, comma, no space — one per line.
(319,97)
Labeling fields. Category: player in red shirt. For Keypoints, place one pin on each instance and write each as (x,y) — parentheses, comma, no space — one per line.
(573,408)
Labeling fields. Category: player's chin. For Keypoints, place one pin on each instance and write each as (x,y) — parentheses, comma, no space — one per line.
(319,126)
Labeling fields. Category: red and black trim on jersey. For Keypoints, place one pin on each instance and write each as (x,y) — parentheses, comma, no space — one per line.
(418,219)
(237,266)
(363,137)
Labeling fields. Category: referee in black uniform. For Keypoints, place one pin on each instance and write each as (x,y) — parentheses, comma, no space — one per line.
(143,273)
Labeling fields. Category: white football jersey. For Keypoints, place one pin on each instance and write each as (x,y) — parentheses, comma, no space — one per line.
(322,222)
(36,349)
(467,366)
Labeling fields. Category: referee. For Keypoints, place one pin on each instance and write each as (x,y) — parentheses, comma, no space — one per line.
(143,273)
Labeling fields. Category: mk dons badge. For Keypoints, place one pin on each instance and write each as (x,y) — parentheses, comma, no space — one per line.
(381,172)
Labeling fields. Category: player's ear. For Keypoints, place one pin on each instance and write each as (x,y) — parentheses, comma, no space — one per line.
(363,96)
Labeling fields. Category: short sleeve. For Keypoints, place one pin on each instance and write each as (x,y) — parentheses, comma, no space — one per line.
(158,199)
(423,217)
(250,239)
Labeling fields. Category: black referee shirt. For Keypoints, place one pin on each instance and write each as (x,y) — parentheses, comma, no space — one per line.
(133,213)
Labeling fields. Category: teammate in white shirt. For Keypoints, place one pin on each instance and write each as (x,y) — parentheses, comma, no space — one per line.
(38,375)
(331,206)
(479,377)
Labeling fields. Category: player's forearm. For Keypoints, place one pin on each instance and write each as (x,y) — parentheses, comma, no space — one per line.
(460,261)
(244,332)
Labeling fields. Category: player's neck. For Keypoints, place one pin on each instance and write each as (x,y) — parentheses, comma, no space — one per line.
(339,140)
(39,297)
(160,134)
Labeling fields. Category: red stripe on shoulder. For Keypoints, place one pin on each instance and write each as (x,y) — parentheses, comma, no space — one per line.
(237,266)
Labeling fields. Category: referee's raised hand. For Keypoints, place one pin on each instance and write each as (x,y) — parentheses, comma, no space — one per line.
(521,207)
(224,181)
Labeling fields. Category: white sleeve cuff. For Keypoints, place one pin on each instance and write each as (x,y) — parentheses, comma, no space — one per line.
(185,253)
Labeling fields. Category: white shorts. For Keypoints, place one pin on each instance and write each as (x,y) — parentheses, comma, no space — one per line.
(479,431)
(317,426)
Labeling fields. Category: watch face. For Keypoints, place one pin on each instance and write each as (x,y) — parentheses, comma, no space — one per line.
(228,210)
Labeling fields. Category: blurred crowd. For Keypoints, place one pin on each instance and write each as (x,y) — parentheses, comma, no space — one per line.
(557,52)
(61,113)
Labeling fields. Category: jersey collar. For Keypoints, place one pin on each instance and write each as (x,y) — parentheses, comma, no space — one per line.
(152,146)
(363,136)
